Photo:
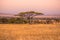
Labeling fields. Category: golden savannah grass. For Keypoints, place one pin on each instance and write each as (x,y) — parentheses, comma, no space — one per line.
(29,32)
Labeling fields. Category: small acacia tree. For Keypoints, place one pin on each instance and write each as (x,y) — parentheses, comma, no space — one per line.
(29,15)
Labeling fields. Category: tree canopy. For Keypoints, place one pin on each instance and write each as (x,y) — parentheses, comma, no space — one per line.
(29,15)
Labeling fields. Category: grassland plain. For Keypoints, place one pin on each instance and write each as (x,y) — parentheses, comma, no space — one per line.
(29,32)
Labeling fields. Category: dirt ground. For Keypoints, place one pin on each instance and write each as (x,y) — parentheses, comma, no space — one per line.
(29,31)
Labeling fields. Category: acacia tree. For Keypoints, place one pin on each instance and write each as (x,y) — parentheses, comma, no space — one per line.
(29,15)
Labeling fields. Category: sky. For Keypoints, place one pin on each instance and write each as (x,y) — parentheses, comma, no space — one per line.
(47,7)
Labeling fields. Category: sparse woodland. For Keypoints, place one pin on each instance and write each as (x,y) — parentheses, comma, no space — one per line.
(28,18)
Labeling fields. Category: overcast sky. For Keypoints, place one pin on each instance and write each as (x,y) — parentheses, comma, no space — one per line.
(48,7)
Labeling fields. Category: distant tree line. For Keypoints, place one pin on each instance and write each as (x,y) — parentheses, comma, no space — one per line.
(11,20)
(28,18)
(27,21)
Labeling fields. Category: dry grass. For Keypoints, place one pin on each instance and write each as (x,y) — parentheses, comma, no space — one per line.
(29,32)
